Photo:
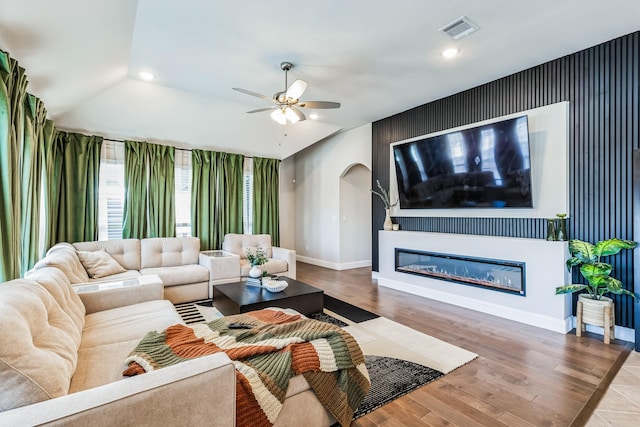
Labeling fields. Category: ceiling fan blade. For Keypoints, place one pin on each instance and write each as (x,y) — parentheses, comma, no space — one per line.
(296,89)
(319,104)
(257,110)
(256,94)
(298,113)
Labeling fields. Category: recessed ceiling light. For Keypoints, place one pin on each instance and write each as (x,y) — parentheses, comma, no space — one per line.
(146,76)
(450,53)
(313,116)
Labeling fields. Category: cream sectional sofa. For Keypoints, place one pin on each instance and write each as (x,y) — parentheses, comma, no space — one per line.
(174,259)
(61,364)
(62,354)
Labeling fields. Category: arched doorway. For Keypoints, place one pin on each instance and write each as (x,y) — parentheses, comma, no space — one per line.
(355,217)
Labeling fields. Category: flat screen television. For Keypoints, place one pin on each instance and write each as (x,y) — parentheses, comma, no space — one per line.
(486,166)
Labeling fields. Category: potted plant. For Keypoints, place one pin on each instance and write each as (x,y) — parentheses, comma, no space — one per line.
(593,305)
(384,196)
(256,259)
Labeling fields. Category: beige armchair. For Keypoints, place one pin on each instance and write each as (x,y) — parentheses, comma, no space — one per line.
(231,264)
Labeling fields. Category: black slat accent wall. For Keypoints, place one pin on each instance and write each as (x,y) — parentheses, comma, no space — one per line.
(602,85)
(636,234)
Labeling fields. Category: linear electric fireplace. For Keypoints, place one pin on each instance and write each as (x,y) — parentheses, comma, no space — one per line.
(495,274)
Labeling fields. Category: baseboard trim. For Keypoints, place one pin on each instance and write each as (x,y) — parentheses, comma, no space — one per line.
(334,265)
(545,322)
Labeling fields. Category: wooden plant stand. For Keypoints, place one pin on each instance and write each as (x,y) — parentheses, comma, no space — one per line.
(587,314)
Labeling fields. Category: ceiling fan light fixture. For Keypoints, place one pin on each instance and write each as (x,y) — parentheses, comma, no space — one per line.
(287,102)
(291,115)
(296,89)
(279,116)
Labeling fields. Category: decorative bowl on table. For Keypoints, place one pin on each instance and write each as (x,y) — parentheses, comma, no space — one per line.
(275,285)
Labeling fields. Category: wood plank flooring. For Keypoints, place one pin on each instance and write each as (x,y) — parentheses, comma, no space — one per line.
(524,376)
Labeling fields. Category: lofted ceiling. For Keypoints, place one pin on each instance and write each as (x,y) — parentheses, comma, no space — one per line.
(376,57)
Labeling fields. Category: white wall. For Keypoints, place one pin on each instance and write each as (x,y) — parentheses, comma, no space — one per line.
(355,217)
(287,203)
(317,188)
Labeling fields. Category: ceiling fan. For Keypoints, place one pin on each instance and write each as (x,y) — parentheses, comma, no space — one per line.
(287,103)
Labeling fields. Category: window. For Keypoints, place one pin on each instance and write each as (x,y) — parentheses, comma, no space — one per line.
(111,191)
(458,155)
(247,196)
(488,138)
(183,193)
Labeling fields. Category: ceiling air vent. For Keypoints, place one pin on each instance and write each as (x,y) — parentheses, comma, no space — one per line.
(459,28)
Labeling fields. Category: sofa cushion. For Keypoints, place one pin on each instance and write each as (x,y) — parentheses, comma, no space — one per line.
(125,251)
(111,335)
(101,364)
(39,352)
(179,275)
(63,257)
(239,244)
(128,322)
(169,251)
(273,266)
(127,274)
(99,264)
(58,285)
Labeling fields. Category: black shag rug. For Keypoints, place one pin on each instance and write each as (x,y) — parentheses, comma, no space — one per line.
(392,378)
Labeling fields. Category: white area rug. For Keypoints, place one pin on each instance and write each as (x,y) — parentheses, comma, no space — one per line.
(384,337)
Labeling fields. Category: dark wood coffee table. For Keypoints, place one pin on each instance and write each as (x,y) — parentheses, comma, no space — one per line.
(234,298)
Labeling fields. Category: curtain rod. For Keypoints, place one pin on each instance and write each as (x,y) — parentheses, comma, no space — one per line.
(183,149)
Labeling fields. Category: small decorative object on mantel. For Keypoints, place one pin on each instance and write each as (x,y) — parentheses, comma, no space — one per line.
(593,307)
(561,227)
(256,259)
(557,228)
(384,195)
(551,230)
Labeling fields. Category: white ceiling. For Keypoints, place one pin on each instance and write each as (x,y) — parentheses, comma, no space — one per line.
(376,57)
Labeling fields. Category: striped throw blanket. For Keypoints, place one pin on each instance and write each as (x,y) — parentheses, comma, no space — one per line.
(277,347)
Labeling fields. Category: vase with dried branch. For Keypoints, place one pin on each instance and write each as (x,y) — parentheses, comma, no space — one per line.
(386,199)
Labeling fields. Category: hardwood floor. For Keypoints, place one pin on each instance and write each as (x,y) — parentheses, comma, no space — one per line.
(523,376)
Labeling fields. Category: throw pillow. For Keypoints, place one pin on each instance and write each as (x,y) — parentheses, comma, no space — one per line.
(99,263)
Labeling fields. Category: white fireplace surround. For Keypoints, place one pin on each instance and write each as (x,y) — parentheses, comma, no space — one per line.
(545,269)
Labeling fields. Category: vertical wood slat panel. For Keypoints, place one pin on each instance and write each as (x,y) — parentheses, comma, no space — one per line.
(602,85)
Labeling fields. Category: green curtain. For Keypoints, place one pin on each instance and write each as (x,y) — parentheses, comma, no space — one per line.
(53,159)
(13,86)
(32,152)
(149,181)
(162,190)
(80,179)
(135,219)
(231,193)
(205,216)
(266,182)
